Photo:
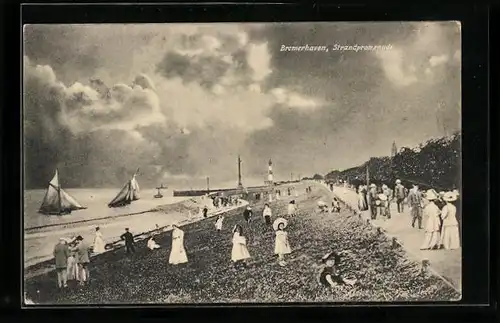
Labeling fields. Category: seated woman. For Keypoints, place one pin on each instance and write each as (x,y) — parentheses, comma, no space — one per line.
(329,275)
(152,243)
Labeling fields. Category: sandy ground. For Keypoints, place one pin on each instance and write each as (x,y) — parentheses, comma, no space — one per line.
(383,274)
(38,245)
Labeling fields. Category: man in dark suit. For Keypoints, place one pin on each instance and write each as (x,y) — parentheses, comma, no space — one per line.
(129,241)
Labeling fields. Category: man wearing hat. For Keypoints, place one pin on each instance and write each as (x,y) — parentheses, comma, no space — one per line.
(415,203)
(372,194)
(129,241)
(386,205)
(82,249)
(400,195)
(61,255)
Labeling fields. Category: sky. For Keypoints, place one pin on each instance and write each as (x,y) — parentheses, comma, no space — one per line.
(181,101)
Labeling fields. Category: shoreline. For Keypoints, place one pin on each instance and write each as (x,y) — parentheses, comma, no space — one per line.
(45,263)
(210,277)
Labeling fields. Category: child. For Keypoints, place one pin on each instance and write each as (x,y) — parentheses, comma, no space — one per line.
(240,253)
(267,213)
(247,214)
(336,205)
(329,275)
(282,247)
(218,223)
(291,208)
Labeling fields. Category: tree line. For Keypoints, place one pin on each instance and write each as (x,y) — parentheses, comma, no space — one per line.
(433,164)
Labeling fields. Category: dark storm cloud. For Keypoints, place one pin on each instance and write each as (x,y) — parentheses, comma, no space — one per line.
(84,155)
(363,107)
(205,70)
(63,47)
(335,111)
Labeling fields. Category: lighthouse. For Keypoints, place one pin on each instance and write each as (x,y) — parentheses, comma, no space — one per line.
(270,179)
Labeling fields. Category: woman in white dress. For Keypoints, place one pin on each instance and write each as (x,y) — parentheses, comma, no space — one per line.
(431,211)
(72,269)
(239,253)
(218,223)
(450,238)
(281,246)
(98,241)
(178,253)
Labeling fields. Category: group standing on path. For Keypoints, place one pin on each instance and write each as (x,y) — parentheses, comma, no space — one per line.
(441,227)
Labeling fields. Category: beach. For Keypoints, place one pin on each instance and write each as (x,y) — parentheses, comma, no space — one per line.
(383,273)
(43,231)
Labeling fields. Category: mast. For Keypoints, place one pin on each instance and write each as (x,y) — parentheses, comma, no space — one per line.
(59,192)
(240,185)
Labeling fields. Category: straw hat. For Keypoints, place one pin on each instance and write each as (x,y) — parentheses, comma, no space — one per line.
(331,255)
(373,185)
(430,195)
(398,181)
(382,197)
(449,197)
(278,221)
(384,186)
(321,203)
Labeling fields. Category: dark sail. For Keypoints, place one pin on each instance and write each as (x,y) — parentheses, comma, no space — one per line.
(57,201)
(129,193)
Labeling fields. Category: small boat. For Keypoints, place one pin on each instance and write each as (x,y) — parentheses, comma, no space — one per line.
(159,195)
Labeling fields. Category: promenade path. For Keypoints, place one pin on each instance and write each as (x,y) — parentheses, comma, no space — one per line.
(446,263)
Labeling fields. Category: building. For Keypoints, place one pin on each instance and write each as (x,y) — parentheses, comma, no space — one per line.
(270,177)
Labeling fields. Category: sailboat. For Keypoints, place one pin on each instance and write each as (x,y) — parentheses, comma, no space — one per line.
(159,195)
(129,193)
(57,201)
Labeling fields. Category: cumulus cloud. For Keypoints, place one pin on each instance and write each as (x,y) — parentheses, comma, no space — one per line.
(438,60)
(186,99)
(79,126)
(392,62)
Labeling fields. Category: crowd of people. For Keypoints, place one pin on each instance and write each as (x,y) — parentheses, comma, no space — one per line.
(72,256)
(439,210)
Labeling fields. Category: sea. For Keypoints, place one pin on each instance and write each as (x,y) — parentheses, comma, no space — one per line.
(42,232)
(96,201)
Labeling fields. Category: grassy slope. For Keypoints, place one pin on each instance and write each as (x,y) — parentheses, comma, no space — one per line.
(384,274)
